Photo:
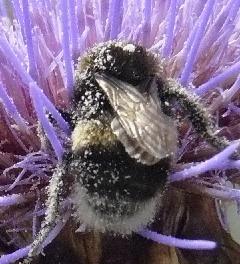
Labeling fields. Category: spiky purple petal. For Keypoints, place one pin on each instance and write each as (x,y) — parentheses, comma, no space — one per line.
(11,200)
(16,255)
(192,53)
(220,78)
(47,126)
(29,40)
(18,15)
(73,26)
(23,252)
(116,18)
(220,161)
(95,21)
(66,45)
(170,28)
(179,243)
(12,109)
(146,27)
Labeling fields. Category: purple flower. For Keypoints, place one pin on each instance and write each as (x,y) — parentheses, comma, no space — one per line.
(39,43)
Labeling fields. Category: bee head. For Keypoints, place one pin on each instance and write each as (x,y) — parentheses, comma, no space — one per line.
(127,62)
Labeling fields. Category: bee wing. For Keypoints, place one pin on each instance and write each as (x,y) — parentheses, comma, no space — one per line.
(147,134)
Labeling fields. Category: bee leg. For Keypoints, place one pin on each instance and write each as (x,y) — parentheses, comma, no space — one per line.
(196,112)
(51,215)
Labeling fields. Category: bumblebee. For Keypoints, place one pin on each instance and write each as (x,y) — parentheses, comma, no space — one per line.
(124,139)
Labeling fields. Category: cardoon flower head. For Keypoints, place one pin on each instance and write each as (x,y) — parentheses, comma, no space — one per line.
(40,42)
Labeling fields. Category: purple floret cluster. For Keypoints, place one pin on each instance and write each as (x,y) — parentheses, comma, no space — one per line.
(40,42)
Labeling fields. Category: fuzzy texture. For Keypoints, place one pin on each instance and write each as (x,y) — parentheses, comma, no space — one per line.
(116,187)
(118,221)
(39,44)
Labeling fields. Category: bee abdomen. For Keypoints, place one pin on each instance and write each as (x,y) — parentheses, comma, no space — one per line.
(113,191)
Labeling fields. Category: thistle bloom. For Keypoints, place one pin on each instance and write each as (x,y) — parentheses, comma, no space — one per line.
(40,41)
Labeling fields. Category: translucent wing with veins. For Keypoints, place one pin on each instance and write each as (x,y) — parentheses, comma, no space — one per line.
(147,134)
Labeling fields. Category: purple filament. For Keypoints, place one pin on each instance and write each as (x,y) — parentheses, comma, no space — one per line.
(15,134)
(116,18)
(220,78)
(37,92)
(83,38)
(47,126)
(12,58)
(11,109)
(16,181)
(177,242)
(3,10)
(216,27)
(52,109)
(231,92)
(192,54)
(22,218)
(73,26)
(47,4)
(80,16)
(19,16)
(170,28)
(36,158)
(146,29)
(29,40)
(23,252)
(234,108)
(219,161)
(18,254)
(66,45)
(104,7)
(217,190)
(233,12)
(12,199)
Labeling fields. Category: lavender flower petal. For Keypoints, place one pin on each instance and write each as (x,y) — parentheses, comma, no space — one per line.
(220,78)
(66,46)
(170,28)
(146,28)
(82,39)
(216,190)
(18,254)
(47,126)
(73,25)
(116,18)
(29,40)
(3,11)
(197,45)
(217,27)
(219,161)
(23,252)
(11,200)
(29,81)
(191,56)
(18,178)
(226,96)
(179,243)
(12,110)
(18,13)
